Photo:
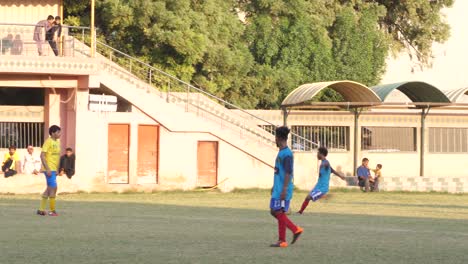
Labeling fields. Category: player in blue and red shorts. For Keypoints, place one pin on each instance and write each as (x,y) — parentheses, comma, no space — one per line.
(321,188)
(282,191)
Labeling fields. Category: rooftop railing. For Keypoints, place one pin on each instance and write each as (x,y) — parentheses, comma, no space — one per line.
(18,40)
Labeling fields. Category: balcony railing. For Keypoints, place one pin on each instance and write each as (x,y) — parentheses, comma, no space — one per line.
(18,40)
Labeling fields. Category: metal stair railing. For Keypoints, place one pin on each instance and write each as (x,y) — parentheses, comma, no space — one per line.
(194,99)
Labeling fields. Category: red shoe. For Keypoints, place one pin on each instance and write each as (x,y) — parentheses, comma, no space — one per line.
(297,234)
(39,212)
(53,213)
(281,244)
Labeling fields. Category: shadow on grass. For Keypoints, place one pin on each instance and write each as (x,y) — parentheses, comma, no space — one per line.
(124,232)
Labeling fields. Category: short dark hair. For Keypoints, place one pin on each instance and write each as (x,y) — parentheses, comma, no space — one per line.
(53,129)
(365,159)
(379,166)
(50,17)
(282,132)
(12,147)
(68,149)
(323,151)
(58,17)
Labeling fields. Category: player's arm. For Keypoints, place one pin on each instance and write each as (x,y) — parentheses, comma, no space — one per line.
(287,178)
(287,165)
(341,175)
(44,163)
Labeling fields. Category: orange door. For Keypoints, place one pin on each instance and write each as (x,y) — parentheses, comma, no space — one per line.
(118,144)
(207,163)
(147,153)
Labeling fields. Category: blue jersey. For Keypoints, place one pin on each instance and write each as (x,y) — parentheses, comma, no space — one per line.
(324,177)
(284,163)
(363,172)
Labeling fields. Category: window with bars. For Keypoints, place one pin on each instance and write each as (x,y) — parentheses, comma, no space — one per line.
(388,139)
(448,140)
(21,134)
(332,137)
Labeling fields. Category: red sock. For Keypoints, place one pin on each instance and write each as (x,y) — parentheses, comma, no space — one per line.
(290,225)
(304,205)
(281,227)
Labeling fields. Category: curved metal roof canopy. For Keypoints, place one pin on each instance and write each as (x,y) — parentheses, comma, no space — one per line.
(415,91)
(456,95)
(351,92)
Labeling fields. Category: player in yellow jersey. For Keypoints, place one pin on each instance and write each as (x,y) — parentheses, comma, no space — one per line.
(50,157)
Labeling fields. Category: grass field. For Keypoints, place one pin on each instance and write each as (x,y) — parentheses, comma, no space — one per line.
(212,227)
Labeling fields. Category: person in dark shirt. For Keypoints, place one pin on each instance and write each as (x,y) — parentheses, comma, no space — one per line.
(67,164)
(54,34)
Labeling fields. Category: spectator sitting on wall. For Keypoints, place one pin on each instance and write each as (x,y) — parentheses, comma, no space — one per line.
(31,163)
(67,163)
(10,162)
(363,174)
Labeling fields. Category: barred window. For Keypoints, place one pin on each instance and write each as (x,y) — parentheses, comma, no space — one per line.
(21,134)
(307,138)
(448,140)
(388,139)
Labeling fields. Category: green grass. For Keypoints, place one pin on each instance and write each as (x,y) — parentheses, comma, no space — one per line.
(214,227)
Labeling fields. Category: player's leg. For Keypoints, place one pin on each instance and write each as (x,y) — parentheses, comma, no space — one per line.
(53,191)
(43,205)
(305,204)
(52,184)
(296,230)
(44,198)
(314,195)
(275,211)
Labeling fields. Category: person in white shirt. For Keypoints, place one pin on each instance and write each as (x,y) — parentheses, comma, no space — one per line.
(31,162)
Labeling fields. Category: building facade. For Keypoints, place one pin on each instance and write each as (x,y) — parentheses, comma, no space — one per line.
(134,127)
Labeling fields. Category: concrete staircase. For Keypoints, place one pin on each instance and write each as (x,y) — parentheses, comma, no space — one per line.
(190,111)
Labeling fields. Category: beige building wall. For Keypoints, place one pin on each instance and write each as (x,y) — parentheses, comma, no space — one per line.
(401,164)
(27,11)
(177,155)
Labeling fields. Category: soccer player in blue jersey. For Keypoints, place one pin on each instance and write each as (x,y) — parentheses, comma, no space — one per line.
(282,191)
(321,188)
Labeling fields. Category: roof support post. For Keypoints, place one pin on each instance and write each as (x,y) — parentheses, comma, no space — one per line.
(357,113)
(285,116)
(424,113)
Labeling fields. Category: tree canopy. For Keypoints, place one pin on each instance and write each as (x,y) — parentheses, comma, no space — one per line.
(254,52)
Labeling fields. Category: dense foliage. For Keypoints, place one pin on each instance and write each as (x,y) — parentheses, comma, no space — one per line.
(254,52)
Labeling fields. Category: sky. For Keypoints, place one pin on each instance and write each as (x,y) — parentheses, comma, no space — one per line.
(450,65)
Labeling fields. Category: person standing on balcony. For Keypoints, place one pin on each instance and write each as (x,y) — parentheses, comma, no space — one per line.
(42,27)
(54,34)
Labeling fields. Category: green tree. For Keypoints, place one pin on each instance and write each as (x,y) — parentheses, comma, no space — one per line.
(290,43)
(415,25)
(359,47)
(254,52)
